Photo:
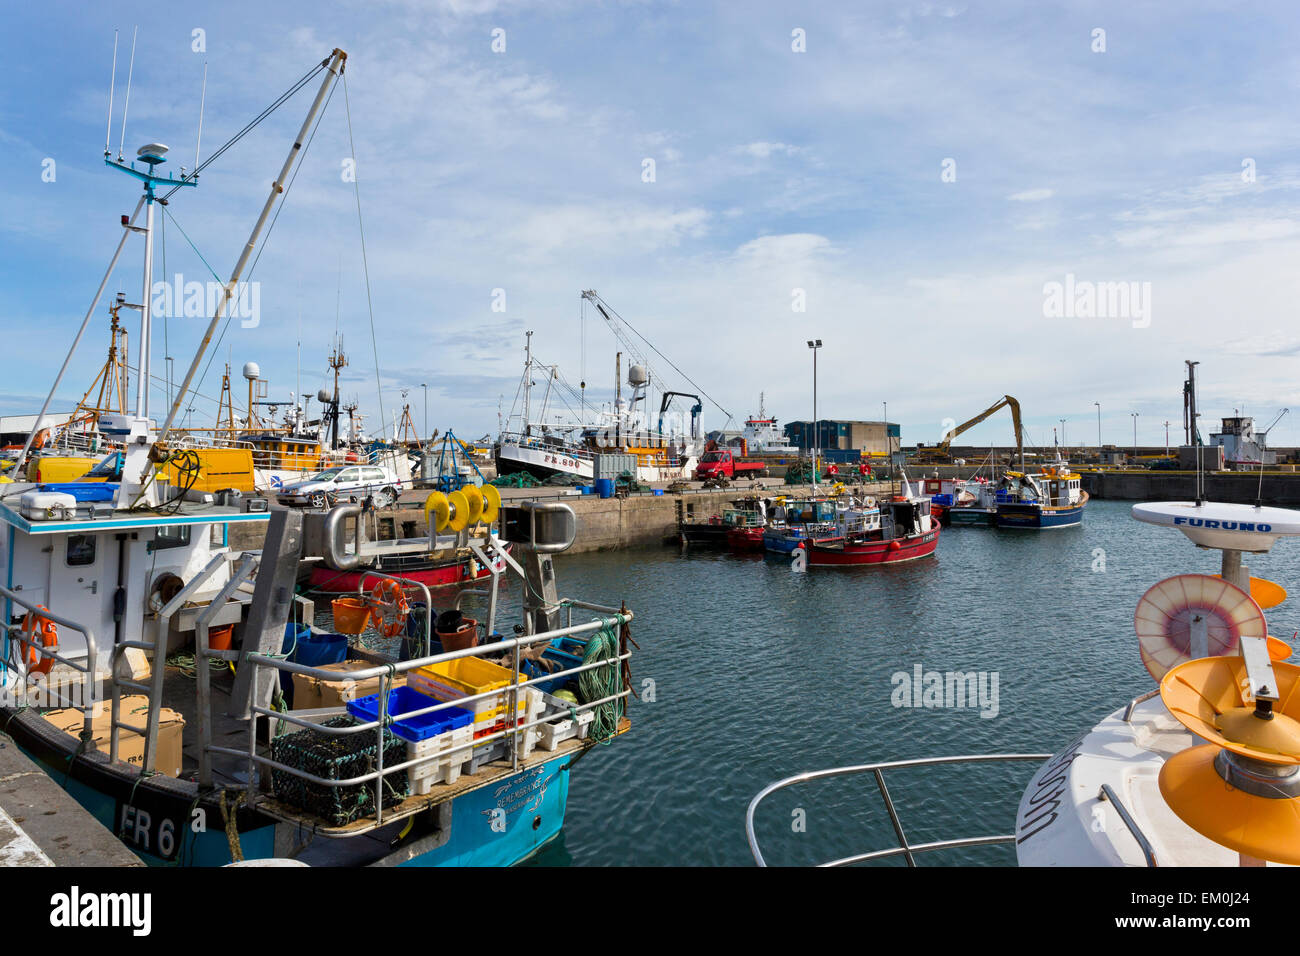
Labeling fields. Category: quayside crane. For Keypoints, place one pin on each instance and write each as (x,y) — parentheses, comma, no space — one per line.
(941,450)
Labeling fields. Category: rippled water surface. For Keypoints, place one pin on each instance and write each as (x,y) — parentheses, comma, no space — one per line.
(759,673)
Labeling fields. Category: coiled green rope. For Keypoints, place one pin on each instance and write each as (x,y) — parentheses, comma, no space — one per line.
(600,682)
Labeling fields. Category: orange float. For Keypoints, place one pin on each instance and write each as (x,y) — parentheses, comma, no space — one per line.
(391,607)
(38,626)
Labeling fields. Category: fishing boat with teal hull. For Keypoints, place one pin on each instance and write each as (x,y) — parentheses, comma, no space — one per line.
(162,754)
(176,687)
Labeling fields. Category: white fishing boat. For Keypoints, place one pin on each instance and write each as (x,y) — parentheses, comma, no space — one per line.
(537,441)
(1201,770)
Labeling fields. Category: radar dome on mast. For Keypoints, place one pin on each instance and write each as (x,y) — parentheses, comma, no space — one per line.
(252,371)
(638,375)
(152,153)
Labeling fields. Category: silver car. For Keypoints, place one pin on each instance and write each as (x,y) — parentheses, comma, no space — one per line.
(344,483)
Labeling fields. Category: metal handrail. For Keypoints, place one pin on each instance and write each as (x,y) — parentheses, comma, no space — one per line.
(386,672)
(440,755)
(1106,793)
(408,582)
(89,703)
(904,848)
(1132,704)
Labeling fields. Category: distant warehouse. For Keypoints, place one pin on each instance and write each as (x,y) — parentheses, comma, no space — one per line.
(868,438)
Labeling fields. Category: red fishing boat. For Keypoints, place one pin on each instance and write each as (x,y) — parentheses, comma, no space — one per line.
(746,539)
(438,573)
(898,530)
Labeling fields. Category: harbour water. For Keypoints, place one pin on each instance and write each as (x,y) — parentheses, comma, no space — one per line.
(759,673)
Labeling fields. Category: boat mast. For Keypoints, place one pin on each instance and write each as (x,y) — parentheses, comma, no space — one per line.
(528,382)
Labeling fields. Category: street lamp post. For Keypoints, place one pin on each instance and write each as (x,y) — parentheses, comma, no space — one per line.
(1166,438)
(1135,434)
(815,345)
(1098,404)
(425,387)
(1063,442)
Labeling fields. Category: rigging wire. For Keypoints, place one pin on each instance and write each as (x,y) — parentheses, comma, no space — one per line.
(651,346)
(374,342)
(279,101)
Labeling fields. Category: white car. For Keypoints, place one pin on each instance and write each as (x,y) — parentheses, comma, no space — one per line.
(344,483)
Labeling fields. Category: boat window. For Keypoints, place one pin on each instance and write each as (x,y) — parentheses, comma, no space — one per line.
(172,536)
(81,550)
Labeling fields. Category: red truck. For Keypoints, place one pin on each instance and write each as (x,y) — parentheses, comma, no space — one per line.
(722,464)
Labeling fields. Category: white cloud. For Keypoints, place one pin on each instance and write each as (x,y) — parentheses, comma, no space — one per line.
(764,150)
(1032,195)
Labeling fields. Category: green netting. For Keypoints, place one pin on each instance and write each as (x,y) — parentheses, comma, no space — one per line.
(338,757)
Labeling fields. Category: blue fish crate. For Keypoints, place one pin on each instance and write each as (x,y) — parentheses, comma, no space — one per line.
(404,700)
(566,653)
(83,491)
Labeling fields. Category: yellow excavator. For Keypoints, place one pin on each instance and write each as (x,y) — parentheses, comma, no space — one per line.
(941,450)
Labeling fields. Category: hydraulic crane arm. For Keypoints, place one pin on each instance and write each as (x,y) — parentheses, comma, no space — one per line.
(1015,423)
(696,409)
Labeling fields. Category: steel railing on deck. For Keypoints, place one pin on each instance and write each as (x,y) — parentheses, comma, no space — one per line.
(386,673)
(14,632)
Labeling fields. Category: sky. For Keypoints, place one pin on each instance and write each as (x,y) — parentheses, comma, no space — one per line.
(935,190)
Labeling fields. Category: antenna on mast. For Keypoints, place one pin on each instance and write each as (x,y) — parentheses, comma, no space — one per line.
(112,82)
(127,105)
(203,95)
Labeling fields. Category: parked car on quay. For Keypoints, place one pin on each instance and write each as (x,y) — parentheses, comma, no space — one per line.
(344,483)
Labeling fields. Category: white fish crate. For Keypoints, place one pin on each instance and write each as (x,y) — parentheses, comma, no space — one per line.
(566,728)
(445,770)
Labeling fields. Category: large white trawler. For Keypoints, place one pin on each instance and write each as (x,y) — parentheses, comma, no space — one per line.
(1202,770)
(205,764)
(665,450)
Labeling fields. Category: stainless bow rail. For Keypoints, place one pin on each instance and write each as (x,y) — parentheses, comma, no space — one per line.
(904,848)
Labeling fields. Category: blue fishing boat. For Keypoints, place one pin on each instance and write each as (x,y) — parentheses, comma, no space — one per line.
(797,520)
(1052,498)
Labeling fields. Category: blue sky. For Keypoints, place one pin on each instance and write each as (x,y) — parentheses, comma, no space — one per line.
(775,170)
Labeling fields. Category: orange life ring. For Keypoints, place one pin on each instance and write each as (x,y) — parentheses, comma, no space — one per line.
(391,607)
(39,662)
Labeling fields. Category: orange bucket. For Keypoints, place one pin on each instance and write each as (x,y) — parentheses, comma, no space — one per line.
(351,615)
(219,638)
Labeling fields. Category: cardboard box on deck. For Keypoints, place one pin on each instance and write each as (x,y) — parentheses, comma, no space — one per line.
(310,693)
(130,745)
